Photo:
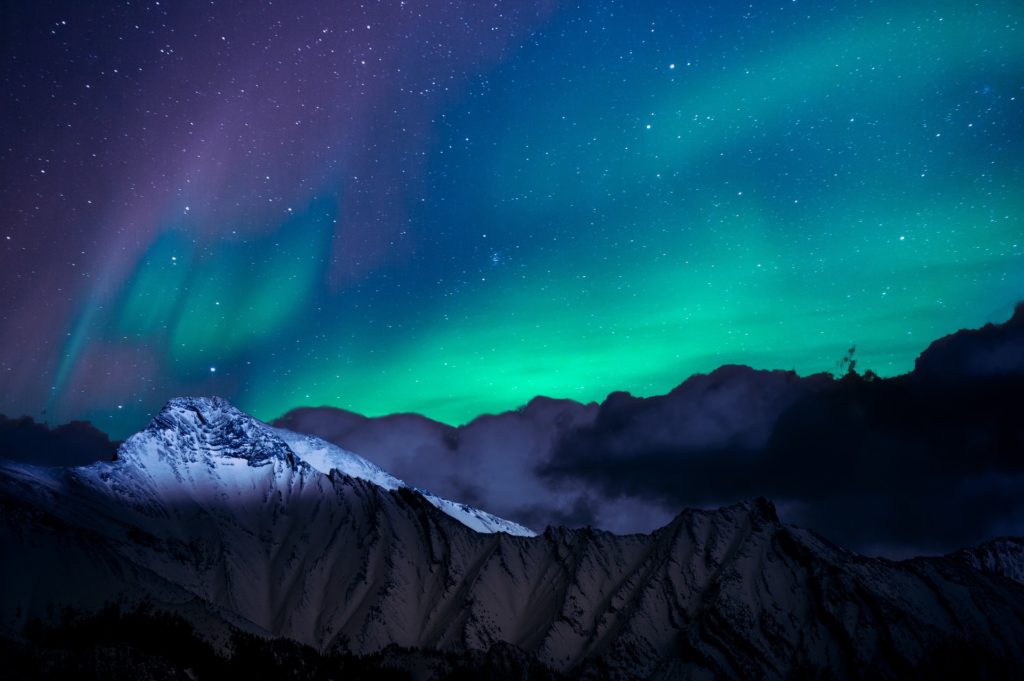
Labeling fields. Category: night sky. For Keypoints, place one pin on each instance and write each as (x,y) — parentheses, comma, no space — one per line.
(449,208)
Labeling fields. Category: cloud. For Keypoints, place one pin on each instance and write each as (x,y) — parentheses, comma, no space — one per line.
(73,444)
(490,462)
(924,462)
(509,463)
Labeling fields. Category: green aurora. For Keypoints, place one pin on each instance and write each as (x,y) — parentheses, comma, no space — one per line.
(719,235)
(632,193)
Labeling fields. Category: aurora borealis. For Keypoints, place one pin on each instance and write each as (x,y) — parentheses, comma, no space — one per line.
(449,208)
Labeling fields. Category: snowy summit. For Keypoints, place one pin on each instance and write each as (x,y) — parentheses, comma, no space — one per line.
(194,438)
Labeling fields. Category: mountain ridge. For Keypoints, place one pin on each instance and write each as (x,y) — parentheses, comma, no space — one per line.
(922,463)
(205,429)
(270,544)
(240,528)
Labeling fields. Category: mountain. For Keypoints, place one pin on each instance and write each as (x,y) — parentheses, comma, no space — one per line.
(919,464)
(236,527)
(72,444)
(992,350)
(489,461)
(1003,556)
(512,459)
(195,438)
(326,457)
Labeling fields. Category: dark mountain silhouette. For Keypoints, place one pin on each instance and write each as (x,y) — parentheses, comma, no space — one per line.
(73,444)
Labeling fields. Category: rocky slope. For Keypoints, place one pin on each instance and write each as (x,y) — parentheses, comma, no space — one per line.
(215,516)
(1003,556)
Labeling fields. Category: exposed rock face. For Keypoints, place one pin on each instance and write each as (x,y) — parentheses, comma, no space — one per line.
(215,516)
(1003,556)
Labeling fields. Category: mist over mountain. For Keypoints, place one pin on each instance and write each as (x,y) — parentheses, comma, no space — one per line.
(921,463)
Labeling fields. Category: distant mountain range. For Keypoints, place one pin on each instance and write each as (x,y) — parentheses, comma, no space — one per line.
(922,463)
(238,528)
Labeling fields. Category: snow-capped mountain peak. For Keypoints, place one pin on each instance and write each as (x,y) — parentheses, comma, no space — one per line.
(193,436)
(202,429)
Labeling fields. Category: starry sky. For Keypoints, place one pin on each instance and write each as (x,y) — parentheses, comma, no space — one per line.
(450,207)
